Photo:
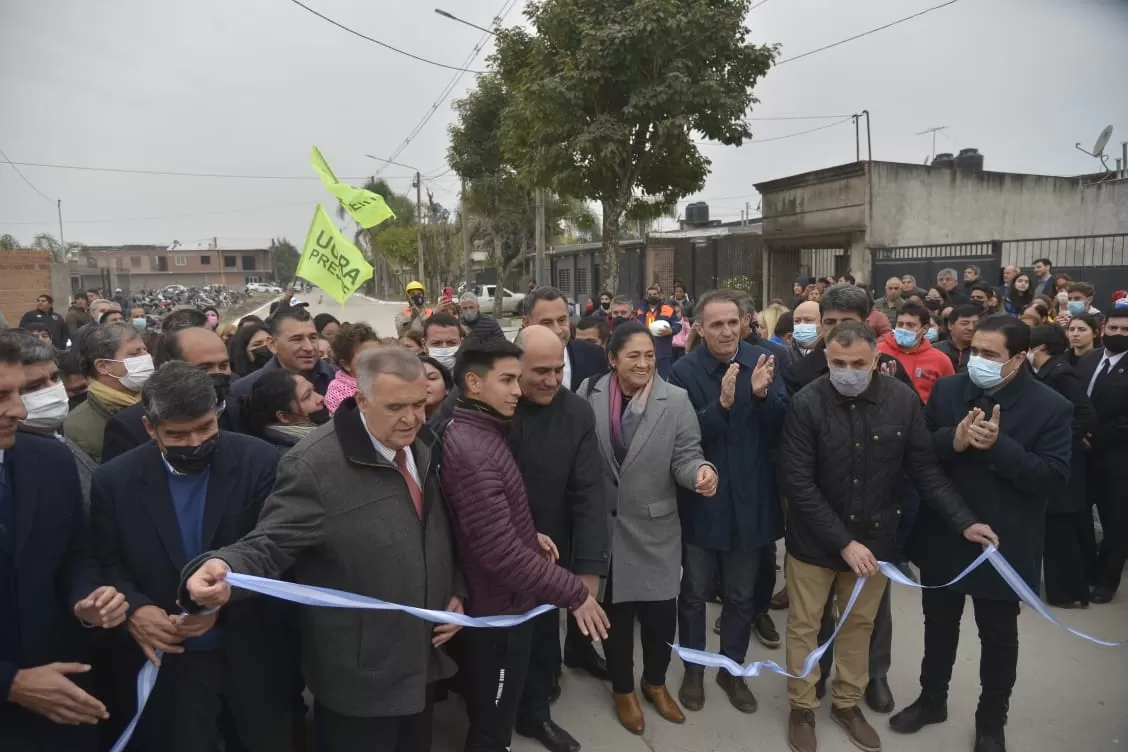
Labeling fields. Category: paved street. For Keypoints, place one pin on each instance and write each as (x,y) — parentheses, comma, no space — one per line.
(1072,696)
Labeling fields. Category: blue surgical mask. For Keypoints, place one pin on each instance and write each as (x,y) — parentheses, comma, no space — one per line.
(140,323)
(904,337)
(805,334)
(850,382)
(932,334)
(1077,307)
(985,374)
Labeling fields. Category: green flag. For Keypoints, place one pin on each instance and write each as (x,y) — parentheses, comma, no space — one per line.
(367,208)
(330,261)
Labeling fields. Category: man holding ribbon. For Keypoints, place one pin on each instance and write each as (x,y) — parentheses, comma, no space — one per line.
(1005,440)
(848,439)
(357,507)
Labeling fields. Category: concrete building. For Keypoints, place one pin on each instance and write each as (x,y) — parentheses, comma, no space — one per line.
(921,218)
(149,267)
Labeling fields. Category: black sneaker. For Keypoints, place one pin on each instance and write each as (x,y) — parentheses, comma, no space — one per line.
(990,741)
(766,632)
(921,713)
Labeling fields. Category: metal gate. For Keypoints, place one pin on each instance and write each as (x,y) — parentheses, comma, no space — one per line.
(924,262)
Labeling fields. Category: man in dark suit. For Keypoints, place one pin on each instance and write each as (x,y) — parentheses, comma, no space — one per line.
(196,346)
(1104,373)
(1004,440)
(48,577)
(153,509)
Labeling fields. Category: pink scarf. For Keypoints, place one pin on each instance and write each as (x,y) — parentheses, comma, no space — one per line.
(635,407)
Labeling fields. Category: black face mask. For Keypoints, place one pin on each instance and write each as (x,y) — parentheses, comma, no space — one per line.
(933,305)
(221,382)
(652,299)
(260,356)
(605,305)
(76,400)
(190,460)
(1115,343)
(417,301)
(620,320)
(321,417)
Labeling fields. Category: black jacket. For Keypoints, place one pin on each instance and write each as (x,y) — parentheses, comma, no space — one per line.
(1108,455)
(843,463)
(1059,375)
(558,456)
(55,324)
(484,327)
(1007,486)
(811,366)
(55,568)
(958,357)
(139,545)
(587,360)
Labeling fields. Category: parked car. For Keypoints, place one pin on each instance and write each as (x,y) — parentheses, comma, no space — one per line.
(264,287)
(509,300)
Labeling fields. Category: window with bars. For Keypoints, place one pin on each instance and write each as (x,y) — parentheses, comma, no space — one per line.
(564,281)
(582,287)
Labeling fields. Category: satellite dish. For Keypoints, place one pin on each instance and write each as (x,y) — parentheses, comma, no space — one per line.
(1102,141)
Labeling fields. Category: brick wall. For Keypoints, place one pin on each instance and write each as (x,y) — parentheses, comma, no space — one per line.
(24,276)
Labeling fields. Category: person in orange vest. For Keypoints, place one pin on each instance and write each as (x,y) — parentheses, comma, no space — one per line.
(652,310)
(416,312)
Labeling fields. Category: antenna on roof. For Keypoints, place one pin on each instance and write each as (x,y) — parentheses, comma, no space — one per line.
(1099,147)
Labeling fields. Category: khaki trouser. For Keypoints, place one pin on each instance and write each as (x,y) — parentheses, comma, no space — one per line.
(808,588)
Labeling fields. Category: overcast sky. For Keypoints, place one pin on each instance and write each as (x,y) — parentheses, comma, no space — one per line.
(247,87)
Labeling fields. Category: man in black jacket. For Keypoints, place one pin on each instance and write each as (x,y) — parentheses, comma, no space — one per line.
(1104,372)
(1004,441)
(44,313)
(152,510)
(553,441)
(962,321)
(196,346)
(847,440)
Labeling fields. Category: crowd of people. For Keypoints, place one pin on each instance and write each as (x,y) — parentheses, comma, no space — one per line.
(631,466)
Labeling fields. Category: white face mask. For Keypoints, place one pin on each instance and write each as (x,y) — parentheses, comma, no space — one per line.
(444,355)
(46,407)
(137,371)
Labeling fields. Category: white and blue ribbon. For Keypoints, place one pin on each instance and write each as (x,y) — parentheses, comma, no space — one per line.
(320,597)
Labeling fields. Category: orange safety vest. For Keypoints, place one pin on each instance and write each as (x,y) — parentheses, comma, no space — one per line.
(664,310)
(408,312)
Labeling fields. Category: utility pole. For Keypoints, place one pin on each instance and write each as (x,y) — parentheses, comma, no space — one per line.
(59,208)
(933,131)
(419,219)
(540,238)
(465,238)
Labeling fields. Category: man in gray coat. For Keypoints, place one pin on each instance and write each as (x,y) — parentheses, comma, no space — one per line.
(357,507)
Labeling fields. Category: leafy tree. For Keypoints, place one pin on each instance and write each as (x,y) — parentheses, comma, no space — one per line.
(59,252)
(8,243)
(607,95)
(285,259)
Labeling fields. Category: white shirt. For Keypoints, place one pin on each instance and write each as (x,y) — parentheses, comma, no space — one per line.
(567,381)
(390,454)
(1112,361)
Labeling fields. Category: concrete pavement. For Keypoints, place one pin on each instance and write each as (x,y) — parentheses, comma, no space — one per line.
(1072,695)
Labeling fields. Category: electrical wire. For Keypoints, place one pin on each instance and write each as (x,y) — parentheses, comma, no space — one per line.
(864,33)
(847,119)
(800,117)
(165,217)
(757,5)
(29,183)
(449,89)
(385,45)
(173,173)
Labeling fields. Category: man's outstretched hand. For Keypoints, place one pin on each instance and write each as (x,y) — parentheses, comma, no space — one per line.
(208,585)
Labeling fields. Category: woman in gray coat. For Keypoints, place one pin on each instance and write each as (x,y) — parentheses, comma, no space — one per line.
(651,443)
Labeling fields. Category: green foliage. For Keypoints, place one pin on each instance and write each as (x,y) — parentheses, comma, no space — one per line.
(739,282)
(59,252)
(8,243)
(285,259)
(605,97)
(397,243)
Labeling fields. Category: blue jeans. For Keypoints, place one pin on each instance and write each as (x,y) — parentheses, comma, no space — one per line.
(739,570)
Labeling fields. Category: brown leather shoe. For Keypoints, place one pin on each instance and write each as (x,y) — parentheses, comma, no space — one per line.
(780,600)
(801,731)
(737,690)
(630,712)
(660,698)
(857,728)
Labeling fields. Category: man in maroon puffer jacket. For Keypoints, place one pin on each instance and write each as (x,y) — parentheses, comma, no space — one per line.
(509,567)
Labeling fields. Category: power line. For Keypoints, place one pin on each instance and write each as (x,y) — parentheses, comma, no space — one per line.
(169,216)
(800,117)
(385,45)
(865,33)
(29,183)
(757,5)
(174,173)
(446,92)
(780,138)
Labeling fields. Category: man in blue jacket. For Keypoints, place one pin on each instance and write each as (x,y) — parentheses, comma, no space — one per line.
(740,400)
(654,309)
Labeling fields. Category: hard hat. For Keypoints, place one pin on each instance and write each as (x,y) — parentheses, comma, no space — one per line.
(660,327)
(414,285)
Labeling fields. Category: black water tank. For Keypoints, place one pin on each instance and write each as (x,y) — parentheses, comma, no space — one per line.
(697,213)
(970,159)
(944,159)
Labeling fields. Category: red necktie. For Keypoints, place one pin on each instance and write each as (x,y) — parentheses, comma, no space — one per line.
(412,486)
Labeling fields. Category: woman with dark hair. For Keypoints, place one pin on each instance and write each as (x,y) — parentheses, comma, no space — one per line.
(1020,294)
(1084,332)
(644,426)
(212,314)
(250,319)
(250,349)
(439,384)
(326,325)
(283,408)
(350,342)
